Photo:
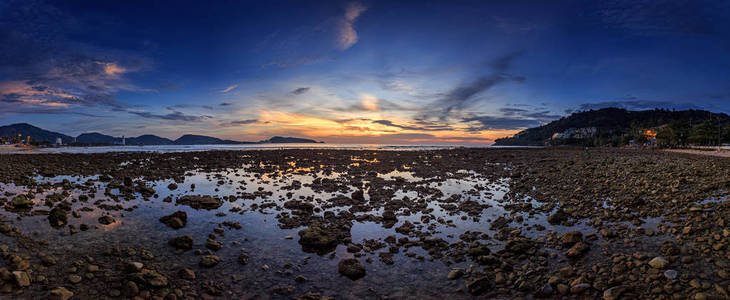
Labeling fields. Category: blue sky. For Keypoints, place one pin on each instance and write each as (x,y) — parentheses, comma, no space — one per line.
(353,72)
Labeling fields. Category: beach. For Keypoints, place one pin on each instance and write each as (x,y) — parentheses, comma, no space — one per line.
(353,224)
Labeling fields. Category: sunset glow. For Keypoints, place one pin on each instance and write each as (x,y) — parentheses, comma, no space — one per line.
(351,71)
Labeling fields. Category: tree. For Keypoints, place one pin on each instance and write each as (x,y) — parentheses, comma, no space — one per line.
(704,133)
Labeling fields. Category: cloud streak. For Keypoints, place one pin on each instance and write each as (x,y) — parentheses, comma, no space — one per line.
(229,88)
(346,34)
(417,128)
(299,91)
(461,96)
(174,116)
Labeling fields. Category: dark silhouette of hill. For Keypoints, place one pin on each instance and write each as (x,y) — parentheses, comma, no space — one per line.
(94,138)
(618,126)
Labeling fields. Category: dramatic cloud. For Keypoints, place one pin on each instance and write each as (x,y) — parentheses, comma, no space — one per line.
(461,96)
(48,69)
(229,88)
(369,102)
(421,128)
(299,91)
(346,34)
(174,116)
(492,123)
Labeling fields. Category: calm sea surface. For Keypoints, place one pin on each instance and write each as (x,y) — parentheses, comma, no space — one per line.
(186,148)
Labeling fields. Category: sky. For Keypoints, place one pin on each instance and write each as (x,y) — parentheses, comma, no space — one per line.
(387,72)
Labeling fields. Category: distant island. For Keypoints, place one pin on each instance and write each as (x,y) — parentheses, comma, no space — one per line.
(20,131)
(620,127)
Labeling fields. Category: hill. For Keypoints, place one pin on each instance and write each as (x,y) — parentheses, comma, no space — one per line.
(148,139)
(191,139)
(95,138)
(284,140)
(35,133)
(616,127)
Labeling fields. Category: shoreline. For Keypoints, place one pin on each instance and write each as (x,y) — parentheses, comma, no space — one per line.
(721,153)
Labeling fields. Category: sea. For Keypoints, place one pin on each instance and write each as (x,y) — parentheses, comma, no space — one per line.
(193,148)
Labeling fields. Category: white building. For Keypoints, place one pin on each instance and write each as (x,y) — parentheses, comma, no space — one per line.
(59,141)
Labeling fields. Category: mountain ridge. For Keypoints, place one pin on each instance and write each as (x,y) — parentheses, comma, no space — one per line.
(96,138)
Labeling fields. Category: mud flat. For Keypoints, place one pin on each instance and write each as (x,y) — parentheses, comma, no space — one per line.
(346,224)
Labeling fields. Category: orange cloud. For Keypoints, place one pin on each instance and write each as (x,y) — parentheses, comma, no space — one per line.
(112,69)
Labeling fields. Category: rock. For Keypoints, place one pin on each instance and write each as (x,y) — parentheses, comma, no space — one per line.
(209,261)
(498,223)
(148,277)
(389,215)
(614,293)
(21,201)
(479,285)
(351,268)
(133,266)
(670,274)
(658,263)
(577,250)
(176,220)
(130,289)
(106,220)
(60,293)
(317,239)
(48,260)
(186,273)
(571,237)
(563,288)
(558,217)
(21,278)
(58,217)
(200,202)
(243,259)
(17,263)
(579,288)
(213,245)
(669,248)
(358,196)
(545,291)
(172,186)
(518,245)
(73,278)
(455,274)
(114,293)
(700,296)
(476,251)
(184,242)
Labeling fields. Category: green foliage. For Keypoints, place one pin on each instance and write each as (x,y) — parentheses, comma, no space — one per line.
(617,127)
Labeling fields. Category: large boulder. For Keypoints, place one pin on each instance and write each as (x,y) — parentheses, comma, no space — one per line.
(149,278)
(200,202)
(479,285)
(558,218)
(176,220)
(20,202)
(318,239)
(351,268)
(58,217)
(184,242)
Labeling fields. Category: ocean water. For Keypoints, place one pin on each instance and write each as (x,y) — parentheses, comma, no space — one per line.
(190,148)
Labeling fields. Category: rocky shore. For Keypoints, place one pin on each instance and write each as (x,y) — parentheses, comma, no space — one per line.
(347,224)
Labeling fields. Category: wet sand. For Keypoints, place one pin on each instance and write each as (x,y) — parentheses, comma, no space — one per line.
(721,153)
(465,223)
